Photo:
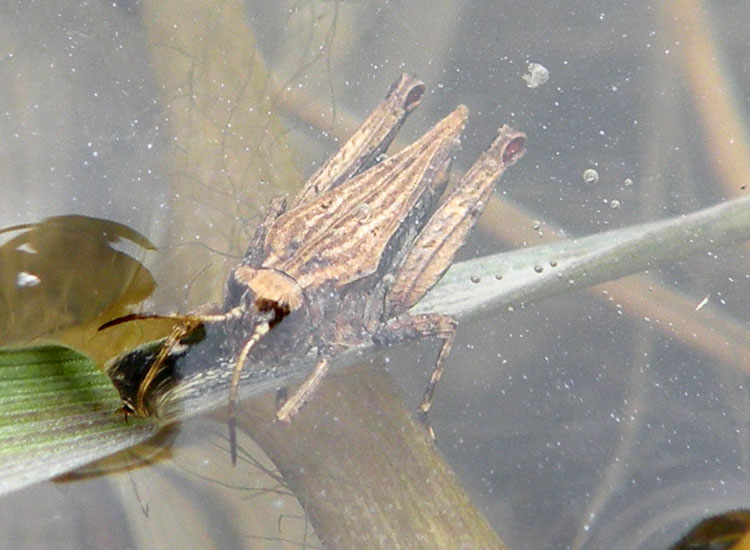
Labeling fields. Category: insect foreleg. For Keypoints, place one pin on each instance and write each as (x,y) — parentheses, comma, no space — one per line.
(293,405)
(261,329)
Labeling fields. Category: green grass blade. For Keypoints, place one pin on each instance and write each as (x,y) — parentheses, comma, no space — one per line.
(57,412)
(472,287)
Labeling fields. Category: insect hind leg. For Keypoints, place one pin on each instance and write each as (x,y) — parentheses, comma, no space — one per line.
(409,326)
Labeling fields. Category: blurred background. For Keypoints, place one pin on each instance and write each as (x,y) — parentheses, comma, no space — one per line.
(609,418)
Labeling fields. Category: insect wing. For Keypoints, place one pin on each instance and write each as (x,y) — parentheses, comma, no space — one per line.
(370,140)
(435,247)
(341,235)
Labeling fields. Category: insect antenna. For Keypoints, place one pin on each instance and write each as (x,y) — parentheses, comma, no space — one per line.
(260,330)
(137,316)
(182,317)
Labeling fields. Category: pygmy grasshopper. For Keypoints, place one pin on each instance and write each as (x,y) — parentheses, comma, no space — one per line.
(364,240)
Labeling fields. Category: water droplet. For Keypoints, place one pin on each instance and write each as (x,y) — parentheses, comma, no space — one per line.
(475,278)
(614,204)
(538,268)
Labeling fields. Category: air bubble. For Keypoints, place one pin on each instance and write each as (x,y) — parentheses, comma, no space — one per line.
(537,75)
(26,279)
(363,212)
(590,176)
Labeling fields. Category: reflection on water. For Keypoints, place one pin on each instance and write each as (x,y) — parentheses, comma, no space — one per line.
(65,272)
(178,492)
(588,421)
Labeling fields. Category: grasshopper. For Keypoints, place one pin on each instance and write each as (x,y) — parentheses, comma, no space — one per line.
(364,240)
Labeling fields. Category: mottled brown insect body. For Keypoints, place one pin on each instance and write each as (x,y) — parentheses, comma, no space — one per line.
(365,239)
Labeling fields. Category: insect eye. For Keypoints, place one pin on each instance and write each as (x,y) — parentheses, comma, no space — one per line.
(513,150)
(414,97)
(264,304)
